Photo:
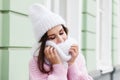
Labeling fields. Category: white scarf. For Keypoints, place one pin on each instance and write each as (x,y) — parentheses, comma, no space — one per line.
(62,49)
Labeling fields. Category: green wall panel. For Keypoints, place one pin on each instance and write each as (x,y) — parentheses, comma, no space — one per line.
(115,57)
(21,33)
(88,40)
(84,22)
(0,62)
(0,28)
(115,1)
(91,7)
(22,6)
(5,64)
(5,29)
(114,33)
(19,64)
(0,4)
(91,60)
(83,40)
(114,44)
(115,20)
(115,30)
(91,41)
(89,23)
(4,4)
(115,8)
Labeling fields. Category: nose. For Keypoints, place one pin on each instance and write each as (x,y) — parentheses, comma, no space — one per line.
(59,39)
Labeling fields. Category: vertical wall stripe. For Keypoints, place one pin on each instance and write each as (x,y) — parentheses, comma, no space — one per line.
(6,4)
(5,40)
(114,28)
(5,28)
(5,64)
(0,63)
(89,33)
(84,27)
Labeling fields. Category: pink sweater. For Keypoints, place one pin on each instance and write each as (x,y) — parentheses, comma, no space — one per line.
(76,71)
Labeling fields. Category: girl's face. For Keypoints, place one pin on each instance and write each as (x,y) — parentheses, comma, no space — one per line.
(57,34)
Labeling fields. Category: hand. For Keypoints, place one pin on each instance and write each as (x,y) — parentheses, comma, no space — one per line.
(74,53)
(52,55)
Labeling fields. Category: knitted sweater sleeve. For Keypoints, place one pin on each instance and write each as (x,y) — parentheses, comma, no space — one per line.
(59,72)
(78,71)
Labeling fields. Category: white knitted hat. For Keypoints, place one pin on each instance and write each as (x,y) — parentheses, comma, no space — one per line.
(43,20)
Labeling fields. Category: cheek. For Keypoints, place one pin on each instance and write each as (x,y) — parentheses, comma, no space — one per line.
(64,37)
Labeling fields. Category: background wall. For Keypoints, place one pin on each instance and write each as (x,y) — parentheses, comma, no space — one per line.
(16,37)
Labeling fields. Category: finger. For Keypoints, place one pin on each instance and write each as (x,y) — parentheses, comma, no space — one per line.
(73,53)
(54,50)
(75,48)
(51,50)
(47,54)
(74,45)
(46,50)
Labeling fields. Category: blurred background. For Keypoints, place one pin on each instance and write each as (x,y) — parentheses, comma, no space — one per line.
(93,23)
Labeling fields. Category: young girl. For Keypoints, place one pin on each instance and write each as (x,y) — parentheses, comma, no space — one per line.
(56,56)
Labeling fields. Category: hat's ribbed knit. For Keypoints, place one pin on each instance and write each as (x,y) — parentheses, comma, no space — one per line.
(43,20)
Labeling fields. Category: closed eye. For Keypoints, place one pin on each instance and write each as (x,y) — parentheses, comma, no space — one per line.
(51,37)
(61,32)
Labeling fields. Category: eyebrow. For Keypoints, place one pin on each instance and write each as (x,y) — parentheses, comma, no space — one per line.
(54,34)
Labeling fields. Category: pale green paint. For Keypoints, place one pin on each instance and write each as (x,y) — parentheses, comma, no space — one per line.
(19,64)
(91,41)
(115,58)
(114,33)
(0,62)
(16,31)
(115,30)
(5,4)
(89,33)
(84,5)
(23,6)
(90,23)
(114,8)
(91,60)
(88,41)
(115,1)
(114,44)
(1,4)
(83,33)
(84,18)
(5,65)
(115,20)
(83,41)
(84,54)
(84,44)
(91,7)
(21,33)
(0,28)
(5,29)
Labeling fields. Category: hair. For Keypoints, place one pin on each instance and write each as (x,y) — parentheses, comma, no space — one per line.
(41,56)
